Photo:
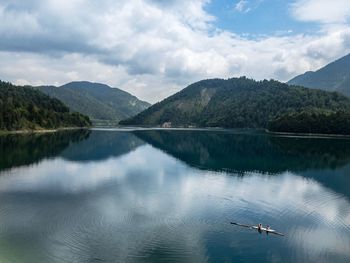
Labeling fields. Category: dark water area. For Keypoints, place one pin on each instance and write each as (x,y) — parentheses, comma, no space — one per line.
(170,195)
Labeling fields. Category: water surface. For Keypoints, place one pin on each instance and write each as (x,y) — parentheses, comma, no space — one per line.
(159,195)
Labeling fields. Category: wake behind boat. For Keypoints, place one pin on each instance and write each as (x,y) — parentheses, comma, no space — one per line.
(266,229)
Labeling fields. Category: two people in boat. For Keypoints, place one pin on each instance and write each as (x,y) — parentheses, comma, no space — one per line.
(260,228)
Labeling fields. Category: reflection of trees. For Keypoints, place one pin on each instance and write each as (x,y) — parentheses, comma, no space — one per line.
(101,145)
(246,152)
(74,145)
(325,160)
(24,149)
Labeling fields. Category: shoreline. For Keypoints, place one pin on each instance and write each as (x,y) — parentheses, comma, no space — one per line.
(2,132)
(286,134)
(123,127)
(309,135)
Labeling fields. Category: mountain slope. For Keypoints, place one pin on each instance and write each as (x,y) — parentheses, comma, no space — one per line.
(333,77)
(236,102)
(25,108)
(96,100)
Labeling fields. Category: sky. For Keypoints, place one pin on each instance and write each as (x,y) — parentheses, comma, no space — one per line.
(154,48)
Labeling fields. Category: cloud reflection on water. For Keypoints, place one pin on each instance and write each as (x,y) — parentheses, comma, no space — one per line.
(151,188)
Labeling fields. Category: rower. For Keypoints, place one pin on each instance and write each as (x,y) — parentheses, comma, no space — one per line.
(260,228)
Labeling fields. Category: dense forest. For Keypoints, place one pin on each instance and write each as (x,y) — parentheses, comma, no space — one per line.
(237,103)
(313,122)
(25,108)
(98,101)
(332,77)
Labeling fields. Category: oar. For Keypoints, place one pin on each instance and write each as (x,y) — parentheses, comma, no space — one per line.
(276,233)
(237,224)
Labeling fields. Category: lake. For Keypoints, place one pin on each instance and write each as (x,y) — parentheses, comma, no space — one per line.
(170,195)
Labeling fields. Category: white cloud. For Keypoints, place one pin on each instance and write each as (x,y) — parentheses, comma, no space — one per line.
(242,6)
(324,11)
(245,6)
(150,48)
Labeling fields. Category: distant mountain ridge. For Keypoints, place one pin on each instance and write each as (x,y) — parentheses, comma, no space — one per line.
(332,77)
(96,100)
(237,103)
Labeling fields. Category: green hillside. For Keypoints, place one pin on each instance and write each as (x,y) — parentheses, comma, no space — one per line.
(333,77)
(238,103)
(98,101)
(25,108)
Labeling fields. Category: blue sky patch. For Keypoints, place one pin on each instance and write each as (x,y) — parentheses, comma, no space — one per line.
(258,17)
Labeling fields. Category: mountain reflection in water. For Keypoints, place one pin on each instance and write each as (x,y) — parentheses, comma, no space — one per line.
(160,195)
(240,152)
(25,149)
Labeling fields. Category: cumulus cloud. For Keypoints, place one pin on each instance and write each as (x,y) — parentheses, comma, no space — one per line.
(324,11)
(150,48)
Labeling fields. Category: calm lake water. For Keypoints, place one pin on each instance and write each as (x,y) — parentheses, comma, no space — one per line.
(170,195)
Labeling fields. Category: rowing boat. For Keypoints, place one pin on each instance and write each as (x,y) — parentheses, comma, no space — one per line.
(267,230)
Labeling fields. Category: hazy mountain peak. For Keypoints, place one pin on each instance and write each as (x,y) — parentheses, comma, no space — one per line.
(97,100)
(333,77)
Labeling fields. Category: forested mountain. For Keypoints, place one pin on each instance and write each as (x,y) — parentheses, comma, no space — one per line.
(237,102)
(96,100)
(333,77)
(25,108)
